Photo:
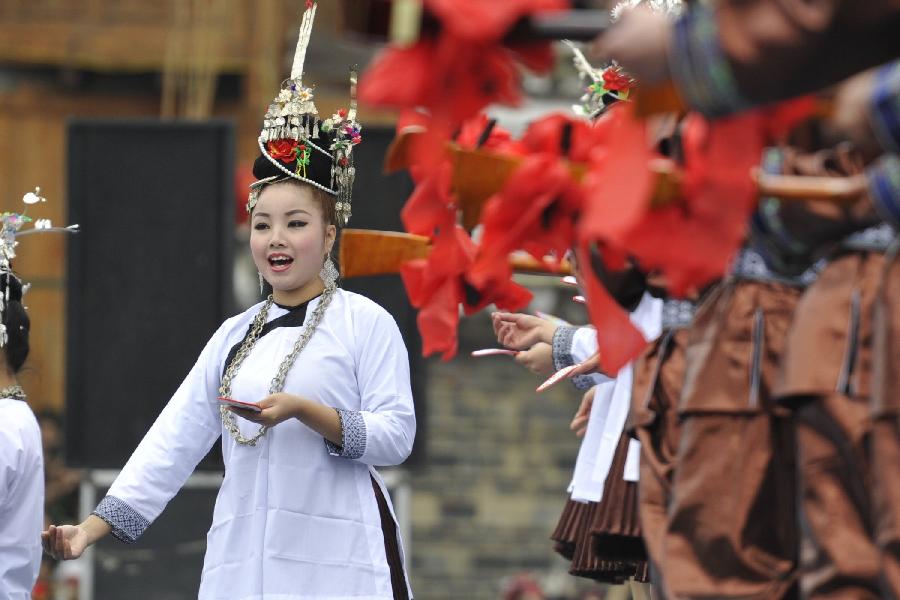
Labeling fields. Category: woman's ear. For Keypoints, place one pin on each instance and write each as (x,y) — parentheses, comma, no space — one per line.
(330,236)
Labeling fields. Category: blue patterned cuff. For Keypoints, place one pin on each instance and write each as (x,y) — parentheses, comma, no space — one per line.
(884,187)
(700,70)
(884,107)
(127,524)
(353,435)
(562,346)
(562,355)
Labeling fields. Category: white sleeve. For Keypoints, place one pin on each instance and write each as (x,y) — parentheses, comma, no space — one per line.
(573,345)
(11,454)
(180,437)
(381,433)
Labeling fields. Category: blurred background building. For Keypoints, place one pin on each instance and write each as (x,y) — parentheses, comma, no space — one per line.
(487,483)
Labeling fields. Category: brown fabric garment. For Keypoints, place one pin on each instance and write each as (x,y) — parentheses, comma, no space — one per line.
(615,528)
(391,545)
(841,301)
(731,523)
(838,558)
(886,340)
(885,448)
(827,372)
(885,440)
(603,539)
(658,377)
(567,529)
(609,547)
(783,48)
(573,542)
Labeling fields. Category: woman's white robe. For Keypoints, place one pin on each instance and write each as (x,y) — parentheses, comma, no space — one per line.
(296,517)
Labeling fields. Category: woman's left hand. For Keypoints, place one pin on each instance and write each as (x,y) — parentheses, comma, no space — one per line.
(537,359)
(275,409)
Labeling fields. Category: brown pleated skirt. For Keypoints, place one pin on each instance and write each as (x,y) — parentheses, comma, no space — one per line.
(603,539)
(885,438)
(658,377)
(731,530)
(568,530)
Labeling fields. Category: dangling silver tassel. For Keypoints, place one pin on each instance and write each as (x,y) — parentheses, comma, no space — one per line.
(261,283)
(329,274)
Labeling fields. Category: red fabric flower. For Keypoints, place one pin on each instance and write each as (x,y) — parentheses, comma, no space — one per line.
(465,68)
(546,135)
(692,239)
(431,205)
(283,150)
(438,285)
(535,211)
(781,118)
(618,340)
(499,140)
(480,21)
(615,80)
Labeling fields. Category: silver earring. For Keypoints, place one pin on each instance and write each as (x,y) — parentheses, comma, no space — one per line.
(261,282)
(329,273)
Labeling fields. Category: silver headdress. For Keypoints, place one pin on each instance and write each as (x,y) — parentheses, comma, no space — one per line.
(302,146)
(670,7)
(611,84)
(11,225)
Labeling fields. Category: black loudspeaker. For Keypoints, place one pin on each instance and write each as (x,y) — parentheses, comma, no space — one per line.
(377,200)
(149,276)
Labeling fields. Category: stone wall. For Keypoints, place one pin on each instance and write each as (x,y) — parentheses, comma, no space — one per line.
(491,488)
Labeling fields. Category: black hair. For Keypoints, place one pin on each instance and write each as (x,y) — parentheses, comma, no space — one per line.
(16,320)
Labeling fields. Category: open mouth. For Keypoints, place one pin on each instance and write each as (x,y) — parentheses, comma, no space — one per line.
(280,262)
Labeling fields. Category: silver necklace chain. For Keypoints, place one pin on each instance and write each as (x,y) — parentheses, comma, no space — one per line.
(277,384)
(13,391)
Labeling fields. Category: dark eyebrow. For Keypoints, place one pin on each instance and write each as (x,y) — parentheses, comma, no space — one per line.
(260,214)
(295,211)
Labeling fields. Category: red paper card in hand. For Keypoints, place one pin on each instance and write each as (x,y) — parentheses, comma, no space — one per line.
(239,404)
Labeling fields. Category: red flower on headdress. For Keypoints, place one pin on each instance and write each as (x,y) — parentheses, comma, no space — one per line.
(616,80)
(283,150)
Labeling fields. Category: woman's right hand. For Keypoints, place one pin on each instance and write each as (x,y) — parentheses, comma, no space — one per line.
(583,414)
(520,331)
(65,542)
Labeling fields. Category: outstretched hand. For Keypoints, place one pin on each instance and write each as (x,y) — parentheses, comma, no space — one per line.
(583,414)
(64,542)
(520,331)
